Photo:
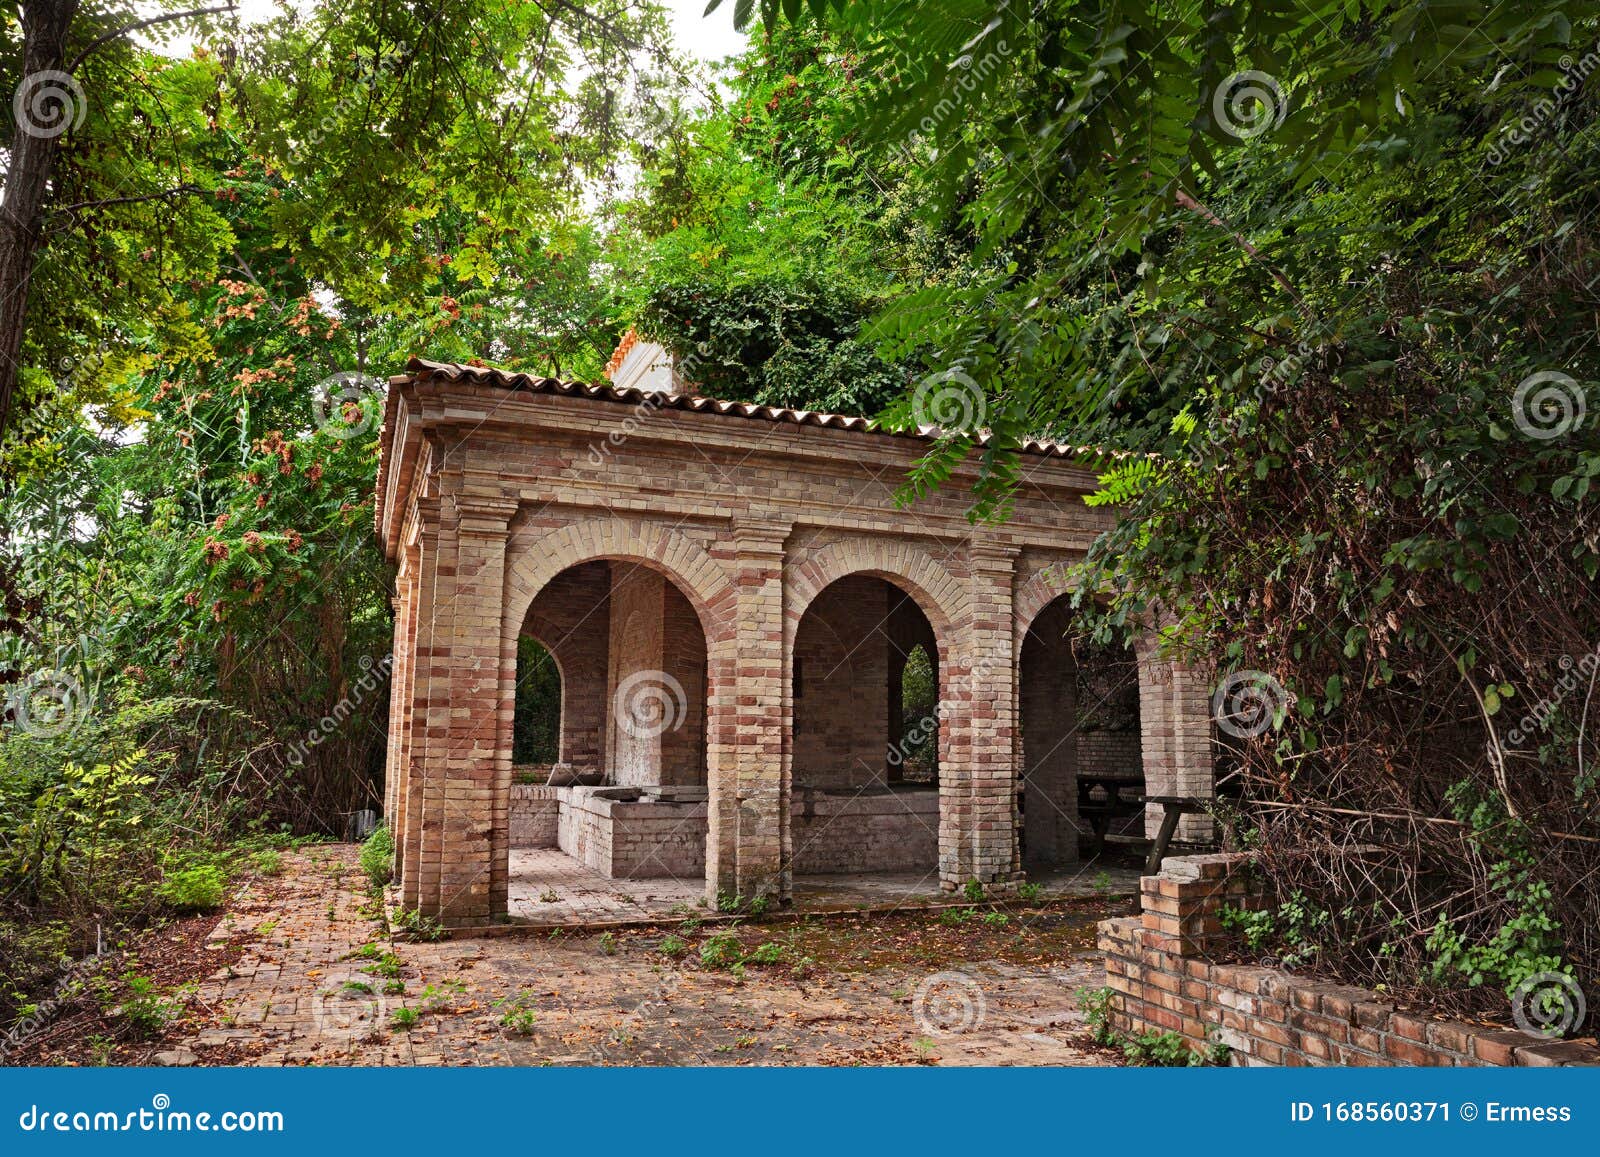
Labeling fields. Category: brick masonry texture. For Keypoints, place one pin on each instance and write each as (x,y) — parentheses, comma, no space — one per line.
(1157,967)
(636,537)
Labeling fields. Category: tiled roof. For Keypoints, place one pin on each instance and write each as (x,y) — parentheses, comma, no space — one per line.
(420,369)
(629,340)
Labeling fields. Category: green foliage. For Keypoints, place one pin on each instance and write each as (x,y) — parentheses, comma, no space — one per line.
(518,1013)
(386,964)
(536,725)
(200,888)
(721,950)
(1314,320)
(377,857)
(1029,892)
(1098,1005)
(143,1006)
(673,946)
(1527,941)
(766,954)
(773,342)
(403,1019)
(1258,928)
(413,925)
(1166,1049)
(973,891)
(268,862)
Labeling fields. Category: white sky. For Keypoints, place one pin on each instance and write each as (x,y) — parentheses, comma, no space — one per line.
(705,37)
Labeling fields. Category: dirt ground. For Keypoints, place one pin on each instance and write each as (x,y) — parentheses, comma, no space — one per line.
(300,970)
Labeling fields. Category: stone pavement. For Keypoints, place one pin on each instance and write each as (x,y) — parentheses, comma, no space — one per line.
(322,984)
(550,888)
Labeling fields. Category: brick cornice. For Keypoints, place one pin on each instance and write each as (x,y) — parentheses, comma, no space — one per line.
(484,516)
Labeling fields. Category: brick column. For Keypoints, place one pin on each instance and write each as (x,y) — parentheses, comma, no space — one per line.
(397,766)
(978,816)
(465,809)
(749,812)
(1175,737)
(410,838)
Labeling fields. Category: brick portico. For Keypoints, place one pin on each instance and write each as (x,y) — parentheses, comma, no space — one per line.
(708,545)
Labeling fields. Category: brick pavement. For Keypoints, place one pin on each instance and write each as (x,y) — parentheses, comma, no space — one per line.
(321,984)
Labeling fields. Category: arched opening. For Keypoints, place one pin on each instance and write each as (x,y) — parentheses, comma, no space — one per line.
(609,770)
(864,790)
(1082,764)
(536,724)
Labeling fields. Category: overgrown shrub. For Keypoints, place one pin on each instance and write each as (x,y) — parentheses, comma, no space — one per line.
(200,888)
(377,857)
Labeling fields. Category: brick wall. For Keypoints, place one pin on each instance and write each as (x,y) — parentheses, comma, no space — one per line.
(841,711)
(875,831)
(631,839)
(1156,965)
(535,811)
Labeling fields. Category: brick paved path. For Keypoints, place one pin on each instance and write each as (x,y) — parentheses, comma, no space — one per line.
(549,887)
(322,984)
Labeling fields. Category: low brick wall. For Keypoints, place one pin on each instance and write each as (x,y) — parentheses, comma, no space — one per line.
(879,831)
(535,812)
(1163,982)
(632,839)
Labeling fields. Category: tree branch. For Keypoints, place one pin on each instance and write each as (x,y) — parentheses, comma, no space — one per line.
(164,18)
(175,191)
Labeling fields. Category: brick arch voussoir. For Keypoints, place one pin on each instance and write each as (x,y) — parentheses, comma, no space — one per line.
(1042,588)
(539,559)
(935,591)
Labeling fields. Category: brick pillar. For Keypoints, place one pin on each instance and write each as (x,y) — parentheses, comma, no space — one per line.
(463,869)
(391,754)
(414,877)
(1175,737)
(749,812)
(977,779)
(397,768)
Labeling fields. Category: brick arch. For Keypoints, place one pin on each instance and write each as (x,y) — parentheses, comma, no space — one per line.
(1043,587)
(682,560)
(933,588)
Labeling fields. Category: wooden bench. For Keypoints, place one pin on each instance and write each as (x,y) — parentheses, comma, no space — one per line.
(1121,799)
(1174,808)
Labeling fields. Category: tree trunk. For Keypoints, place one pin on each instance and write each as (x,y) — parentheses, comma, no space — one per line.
(33,149)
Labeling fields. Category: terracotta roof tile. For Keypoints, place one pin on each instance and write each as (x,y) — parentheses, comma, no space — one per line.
(420,369)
